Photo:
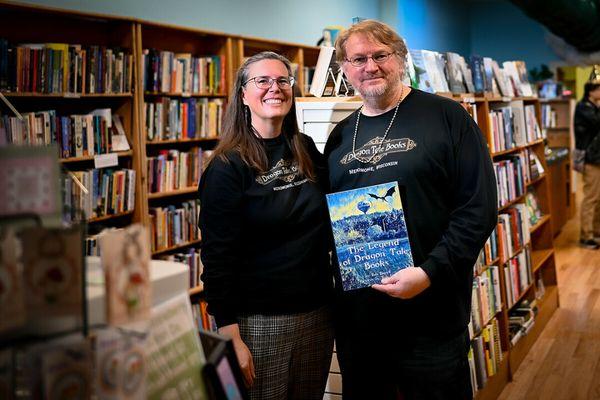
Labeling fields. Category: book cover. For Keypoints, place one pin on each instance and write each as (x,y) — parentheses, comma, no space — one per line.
(370,234)
(421,74)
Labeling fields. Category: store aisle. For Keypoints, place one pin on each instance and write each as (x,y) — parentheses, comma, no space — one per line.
(564,363)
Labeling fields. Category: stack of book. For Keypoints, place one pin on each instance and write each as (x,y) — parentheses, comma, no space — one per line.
(203,319)
(58,68)
(192,259)
(174,169)
(518,276)
(168,119)
(172,226)
(182,73)
(109,192)
(513,231)
(485,355)
(511,178)
(521,319)
(485,300)
(75,135)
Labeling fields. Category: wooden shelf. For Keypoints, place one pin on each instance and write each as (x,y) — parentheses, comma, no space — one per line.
(508,151)
(540,223)
(181,141)
(69,160)
(546,307)
(535,142)
(521,296)
(108,217)
(173,94)
(537,180)
(67,95)
(172,193)
(512,202)
(539,257)
(196,290)
(495,383)
(177,247)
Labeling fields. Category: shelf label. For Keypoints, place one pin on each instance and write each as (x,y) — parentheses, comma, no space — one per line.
(68,95)
(106,160)
(506,99)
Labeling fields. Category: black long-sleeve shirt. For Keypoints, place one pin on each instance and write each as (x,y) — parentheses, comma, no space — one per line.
(265,238)
(439,158)
(587,130)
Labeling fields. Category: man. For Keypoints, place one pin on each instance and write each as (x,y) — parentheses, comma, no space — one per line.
(409,334)
(587,141)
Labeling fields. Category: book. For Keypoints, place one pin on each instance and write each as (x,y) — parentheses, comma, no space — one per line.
(326,72)
(370,234)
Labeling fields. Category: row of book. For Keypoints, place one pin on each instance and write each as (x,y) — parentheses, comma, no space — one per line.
(168,119)
(548,116)
(511,178)
(75,135)
(109,192)
(192,259)
(433,72)
(57,68)
(518,276)
(513,231)
(203,319)
(172,226)
(513,126)
(490,252)
(182,73)
(521,319)
(485,355)
(173,169)
(486,300)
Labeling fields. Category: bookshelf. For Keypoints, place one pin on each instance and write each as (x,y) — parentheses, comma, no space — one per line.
(541,264)
(557,121)
(60,77)
(26,24)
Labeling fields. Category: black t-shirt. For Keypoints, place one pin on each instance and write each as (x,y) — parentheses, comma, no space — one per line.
(439,158)
(265,238)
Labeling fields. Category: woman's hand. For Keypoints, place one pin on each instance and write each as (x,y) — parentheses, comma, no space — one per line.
(241,351)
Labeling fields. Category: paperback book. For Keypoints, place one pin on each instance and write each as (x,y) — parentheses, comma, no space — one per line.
(370,234)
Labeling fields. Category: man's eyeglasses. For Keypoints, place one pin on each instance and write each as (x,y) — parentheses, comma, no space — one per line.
(265,82)
(378,58)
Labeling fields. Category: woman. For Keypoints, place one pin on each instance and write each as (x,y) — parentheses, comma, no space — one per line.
(265,239)
(587,141)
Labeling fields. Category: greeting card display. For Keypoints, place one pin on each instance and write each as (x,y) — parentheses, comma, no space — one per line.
(120,364)
(126,260)
(53,272)
(12,302)
(66,371)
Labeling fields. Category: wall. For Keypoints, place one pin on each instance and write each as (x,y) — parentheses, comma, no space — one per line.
(502,31)
(292,21)
(435,24)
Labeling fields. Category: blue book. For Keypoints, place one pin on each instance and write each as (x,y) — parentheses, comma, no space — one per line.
(478,73)
(370,234)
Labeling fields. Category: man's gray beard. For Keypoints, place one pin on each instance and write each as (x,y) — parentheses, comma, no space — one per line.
(389,87)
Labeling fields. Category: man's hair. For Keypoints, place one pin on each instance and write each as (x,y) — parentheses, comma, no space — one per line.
(588,87)
(374,30)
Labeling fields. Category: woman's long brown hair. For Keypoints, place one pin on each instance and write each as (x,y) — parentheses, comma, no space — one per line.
(238,134)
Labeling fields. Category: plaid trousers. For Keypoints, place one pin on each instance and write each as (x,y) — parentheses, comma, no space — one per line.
(291,353)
